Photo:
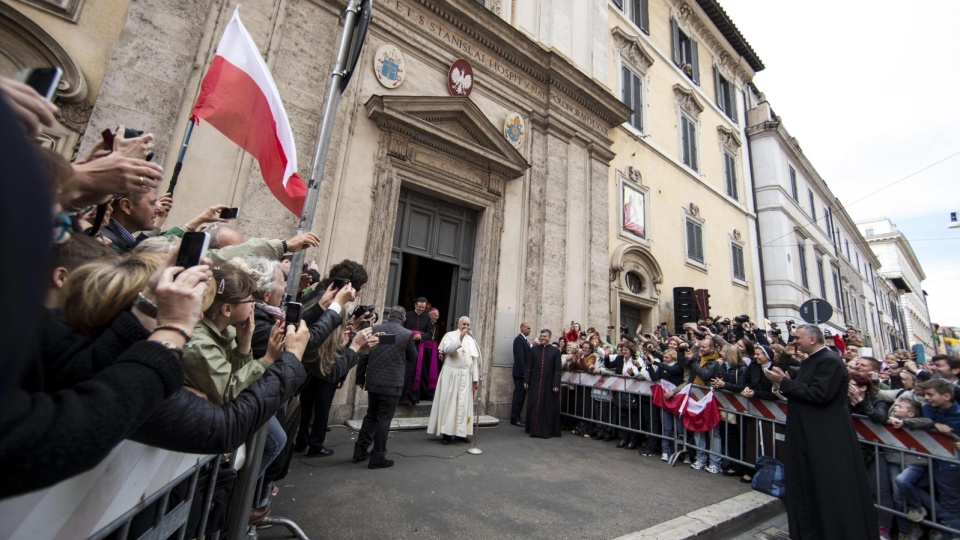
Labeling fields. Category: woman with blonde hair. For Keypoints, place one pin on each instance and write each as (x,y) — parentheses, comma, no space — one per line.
(733,378)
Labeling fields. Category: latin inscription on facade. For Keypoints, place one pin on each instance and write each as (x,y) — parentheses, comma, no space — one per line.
(480,57)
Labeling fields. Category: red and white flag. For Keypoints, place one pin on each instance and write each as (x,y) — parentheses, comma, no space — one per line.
(240,99)
(674,405)
(701,414)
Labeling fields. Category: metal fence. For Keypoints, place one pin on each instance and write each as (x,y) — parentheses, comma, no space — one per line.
(750,428)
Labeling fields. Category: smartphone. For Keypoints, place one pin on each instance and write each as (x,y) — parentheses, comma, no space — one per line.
(293,313)
(192,248)
(128,133)
(339,283)
(230,213)
(387,339)
(43,80)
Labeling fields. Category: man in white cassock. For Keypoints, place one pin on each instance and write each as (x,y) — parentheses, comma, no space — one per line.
(452,413)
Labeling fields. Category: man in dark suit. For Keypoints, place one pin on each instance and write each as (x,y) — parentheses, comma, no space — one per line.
(133,213)
(381,375)
(542,379)
(418,321)
(520,347)
(828,493)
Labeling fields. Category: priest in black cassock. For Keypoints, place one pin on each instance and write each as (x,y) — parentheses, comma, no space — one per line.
(542,381)
(828,494)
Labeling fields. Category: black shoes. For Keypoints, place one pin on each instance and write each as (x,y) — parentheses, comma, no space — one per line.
(381,465)
(622,444)
(323,452)
(517,423)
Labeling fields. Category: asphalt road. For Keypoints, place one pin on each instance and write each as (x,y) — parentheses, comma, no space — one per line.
(520,487)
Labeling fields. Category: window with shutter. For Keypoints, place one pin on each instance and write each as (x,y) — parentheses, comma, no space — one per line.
(730,175)
(694,241)
(739,272)
(688,142)
(823,282)
(803,265)
(637,11)
(632,96)
(685,53)
(813,208)
(726,95)
(793,184)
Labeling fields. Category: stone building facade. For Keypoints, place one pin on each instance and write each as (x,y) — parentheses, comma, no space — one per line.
(681,198)
(901,268)
(421,186)
(810,246)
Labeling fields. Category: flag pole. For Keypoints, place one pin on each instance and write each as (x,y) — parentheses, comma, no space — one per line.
(183,152)
(356,19)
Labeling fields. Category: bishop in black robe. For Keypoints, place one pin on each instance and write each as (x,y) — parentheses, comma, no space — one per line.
(828,495)
(542,380)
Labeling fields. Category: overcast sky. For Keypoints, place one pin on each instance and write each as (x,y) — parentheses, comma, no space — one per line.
(870,89)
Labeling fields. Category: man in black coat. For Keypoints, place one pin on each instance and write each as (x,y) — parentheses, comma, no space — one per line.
(520,348)
(542,379)
(418,321)
(828,494)
(381,374)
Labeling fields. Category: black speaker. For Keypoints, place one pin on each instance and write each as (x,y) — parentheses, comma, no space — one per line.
(684,308)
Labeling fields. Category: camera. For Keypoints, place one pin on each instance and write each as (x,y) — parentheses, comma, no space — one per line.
(583,334)
(624,329)
(791,323)
(361,310)
(742,319)
(725,322)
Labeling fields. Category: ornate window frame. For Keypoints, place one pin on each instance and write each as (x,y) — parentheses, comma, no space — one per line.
(631,55)
(736,240)
(632,179)
(691,214)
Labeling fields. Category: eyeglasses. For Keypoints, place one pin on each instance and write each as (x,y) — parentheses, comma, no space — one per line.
(62,225)
(250,301)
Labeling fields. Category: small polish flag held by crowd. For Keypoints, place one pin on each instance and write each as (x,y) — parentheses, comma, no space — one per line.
(698,414)
(240,99)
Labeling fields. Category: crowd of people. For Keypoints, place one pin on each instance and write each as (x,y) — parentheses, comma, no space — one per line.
(739,356)
(118,342)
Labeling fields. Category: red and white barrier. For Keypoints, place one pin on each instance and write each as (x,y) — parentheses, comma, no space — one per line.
(926,442)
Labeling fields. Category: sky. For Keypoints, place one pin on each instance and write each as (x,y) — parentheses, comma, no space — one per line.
(869,89)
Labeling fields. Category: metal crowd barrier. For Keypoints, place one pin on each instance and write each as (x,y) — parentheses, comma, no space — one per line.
(599,401)
(145,493)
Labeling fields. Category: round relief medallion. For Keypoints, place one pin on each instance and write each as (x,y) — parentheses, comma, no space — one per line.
(390,66)
(460,78)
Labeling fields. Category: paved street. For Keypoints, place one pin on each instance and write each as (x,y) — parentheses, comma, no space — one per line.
(519,487)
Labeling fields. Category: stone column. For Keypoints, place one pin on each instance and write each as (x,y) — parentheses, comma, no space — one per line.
(556,197)
(599,298)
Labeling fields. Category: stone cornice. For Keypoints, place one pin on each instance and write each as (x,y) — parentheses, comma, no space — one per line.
(689,16)
(728,137)
(422,119)
(631,50)
(520,53)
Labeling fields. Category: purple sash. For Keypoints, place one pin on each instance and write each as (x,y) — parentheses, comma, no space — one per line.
(429,349)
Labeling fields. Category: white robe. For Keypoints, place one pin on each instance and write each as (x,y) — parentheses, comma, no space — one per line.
(452,411)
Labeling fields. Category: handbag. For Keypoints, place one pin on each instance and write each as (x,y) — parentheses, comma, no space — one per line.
(769,475)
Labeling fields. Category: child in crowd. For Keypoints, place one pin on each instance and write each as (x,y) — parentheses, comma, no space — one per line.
(944,414)
(904,413)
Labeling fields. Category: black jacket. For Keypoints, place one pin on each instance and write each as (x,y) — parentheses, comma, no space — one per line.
(79,399)
(419,322)
(734,379)
(321,323)
(672,373)
(762,386)
(383,369)
(520,348)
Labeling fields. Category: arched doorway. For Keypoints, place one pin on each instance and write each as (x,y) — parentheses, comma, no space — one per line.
(635,279)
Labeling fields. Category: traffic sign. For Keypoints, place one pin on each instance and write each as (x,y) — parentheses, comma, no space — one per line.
(816,311)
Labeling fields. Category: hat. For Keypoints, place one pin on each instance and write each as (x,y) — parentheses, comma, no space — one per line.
(434,309)
(767,351)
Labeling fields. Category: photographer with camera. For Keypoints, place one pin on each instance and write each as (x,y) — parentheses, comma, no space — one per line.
(381,373)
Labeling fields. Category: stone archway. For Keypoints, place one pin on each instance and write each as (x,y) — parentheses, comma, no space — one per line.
(635,278)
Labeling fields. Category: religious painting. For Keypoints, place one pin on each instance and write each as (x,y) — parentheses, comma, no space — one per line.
(634,218)
(514,129)
(460,78)
(390,66)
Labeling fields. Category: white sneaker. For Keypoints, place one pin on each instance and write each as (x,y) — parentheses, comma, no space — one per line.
(664,457)
(713,469)
(696,465)
(686,458)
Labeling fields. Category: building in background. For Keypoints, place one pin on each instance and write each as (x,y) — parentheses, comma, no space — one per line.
(681,194)
(900,266)
(809,245)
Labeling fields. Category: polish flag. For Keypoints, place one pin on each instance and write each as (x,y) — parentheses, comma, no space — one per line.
(240,99)
(674,405)
(701,414)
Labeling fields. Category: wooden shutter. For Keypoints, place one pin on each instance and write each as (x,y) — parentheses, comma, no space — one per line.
(675,33)
(694,61)
(718,90)
(643,20)
(637,101)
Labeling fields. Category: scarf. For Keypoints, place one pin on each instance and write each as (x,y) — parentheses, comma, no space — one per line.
(703,361)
